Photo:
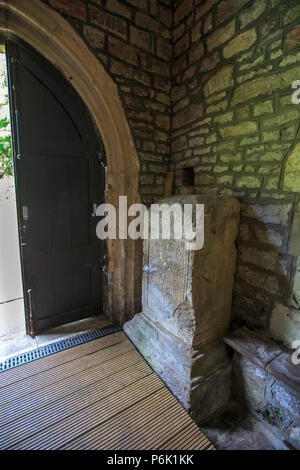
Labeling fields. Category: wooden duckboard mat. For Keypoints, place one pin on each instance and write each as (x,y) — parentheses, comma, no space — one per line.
(99,395)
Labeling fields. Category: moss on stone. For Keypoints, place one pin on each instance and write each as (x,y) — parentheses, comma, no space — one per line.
(272,415)
(291,180)
(292,15)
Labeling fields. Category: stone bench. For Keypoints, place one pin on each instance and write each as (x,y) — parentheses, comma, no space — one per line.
(267,380)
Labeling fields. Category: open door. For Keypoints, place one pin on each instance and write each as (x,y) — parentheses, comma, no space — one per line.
(60,180)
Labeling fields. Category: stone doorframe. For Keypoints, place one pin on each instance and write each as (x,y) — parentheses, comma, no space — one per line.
(53,37)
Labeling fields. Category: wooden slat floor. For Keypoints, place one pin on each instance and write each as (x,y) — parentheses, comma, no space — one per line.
(99,395)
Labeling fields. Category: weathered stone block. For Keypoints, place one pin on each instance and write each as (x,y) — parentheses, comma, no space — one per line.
(295,241)
(127,71)
(164,48)
(187,305)
(229,7)
(140,38)
(292,15)
(145,21)
(184,8)
(241,43)
(196,53)
(251,381)
(248,182)
(268,213)
(291,180)
(293,37)
(285,117)
(263,107)
(220,36)
(271,390)
(285,324)
(182,45)
(196,32)
(221,80)
(193,112)
(108,22)
(265,85)
(245,128)
(204,7)
(259,279)
(75,8)
(154,65)
(119,8)
(259,349)
(268,236)
(122,50)
(209,62)
(94,36)
(252,13)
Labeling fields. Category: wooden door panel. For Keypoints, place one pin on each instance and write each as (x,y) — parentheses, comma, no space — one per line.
(58,178)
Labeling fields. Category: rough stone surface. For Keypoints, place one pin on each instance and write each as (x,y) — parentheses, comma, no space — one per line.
(268,382)
(245,142)
(221,80)
(236,429)
(221,35)
(133,41)
(75,8)
(241,43)
(285,324)
(252,12)
(186,307)
(256,347)
(263,86)
(175,81)
(269,399)
(295,239)
(291,180)
(283,368)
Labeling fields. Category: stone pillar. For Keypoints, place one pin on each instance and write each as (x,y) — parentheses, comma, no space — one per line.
(187,306)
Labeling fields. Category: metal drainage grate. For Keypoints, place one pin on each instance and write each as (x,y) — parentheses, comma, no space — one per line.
(30,356)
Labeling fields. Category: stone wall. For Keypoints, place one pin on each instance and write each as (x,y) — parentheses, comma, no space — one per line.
(266,378)
(132,40)
(221,72)
(270,400)
(234,123)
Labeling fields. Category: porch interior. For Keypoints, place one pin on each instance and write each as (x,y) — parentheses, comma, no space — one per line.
(182,100)
(99,395)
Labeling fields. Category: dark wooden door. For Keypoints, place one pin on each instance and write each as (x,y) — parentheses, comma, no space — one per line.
(60,178)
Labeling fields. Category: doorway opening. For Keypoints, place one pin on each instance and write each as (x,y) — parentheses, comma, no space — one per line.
(53,165)
(12,313)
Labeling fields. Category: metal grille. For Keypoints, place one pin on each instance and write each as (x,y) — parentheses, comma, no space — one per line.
(30,356)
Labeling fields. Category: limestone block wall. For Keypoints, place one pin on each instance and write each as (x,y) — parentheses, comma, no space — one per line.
(270,400)
(132,40)
(233,122)
(266,378)
(207,85)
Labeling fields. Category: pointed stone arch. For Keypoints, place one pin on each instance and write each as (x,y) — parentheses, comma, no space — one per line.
(52,36)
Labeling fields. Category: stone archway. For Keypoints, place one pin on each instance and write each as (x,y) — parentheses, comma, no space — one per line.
(51,35)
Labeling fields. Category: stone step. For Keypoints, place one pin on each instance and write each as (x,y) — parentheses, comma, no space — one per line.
(267,354)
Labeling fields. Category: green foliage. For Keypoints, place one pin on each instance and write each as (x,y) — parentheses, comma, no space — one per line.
(6,162)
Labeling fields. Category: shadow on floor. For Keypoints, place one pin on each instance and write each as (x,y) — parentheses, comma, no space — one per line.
(236,429)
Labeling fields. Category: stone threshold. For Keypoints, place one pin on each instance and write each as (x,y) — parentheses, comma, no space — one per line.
(267,354)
